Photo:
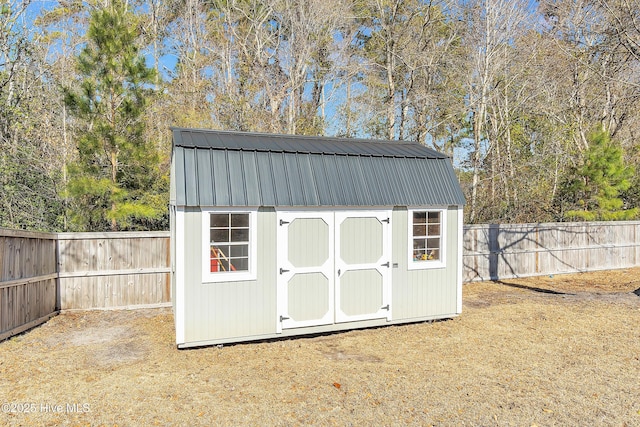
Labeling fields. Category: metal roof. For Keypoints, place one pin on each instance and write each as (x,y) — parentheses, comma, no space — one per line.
(219,168)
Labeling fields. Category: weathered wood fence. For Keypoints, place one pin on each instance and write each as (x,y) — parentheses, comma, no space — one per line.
(495,251)
(43,273)
(28,275)
(113,270)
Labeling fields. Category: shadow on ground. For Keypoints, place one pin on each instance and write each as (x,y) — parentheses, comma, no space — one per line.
(533,288)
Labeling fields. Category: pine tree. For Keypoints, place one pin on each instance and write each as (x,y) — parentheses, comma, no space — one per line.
(114,182)
(598,183)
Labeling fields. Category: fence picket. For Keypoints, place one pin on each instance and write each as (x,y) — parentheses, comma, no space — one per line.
(518,250)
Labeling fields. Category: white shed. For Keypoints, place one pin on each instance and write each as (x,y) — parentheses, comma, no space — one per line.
(280,235)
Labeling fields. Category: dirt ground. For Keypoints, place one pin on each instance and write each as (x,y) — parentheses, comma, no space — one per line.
(548,351)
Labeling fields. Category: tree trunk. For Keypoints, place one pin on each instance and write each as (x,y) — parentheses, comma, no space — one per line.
(114,172)
(391,90)
(475,167)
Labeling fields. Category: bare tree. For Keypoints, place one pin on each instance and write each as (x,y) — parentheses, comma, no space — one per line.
(493,26)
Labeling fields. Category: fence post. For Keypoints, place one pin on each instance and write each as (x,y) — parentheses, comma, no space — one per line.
(494,251)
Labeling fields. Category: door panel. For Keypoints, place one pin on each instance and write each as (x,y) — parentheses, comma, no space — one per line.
(361,240)
(305,269)
(333,267)
(363,260)
(361,292)
(308,296)
(308,243)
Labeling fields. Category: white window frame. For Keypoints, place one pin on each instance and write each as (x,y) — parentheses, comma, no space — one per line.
(228,276)
(427,264)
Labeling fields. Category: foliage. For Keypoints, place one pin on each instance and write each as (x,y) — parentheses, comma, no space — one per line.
(29,172)
(113,182)
(28,196)
(510,89)
(595,186)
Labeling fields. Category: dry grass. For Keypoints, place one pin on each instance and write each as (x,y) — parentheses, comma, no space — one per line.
(544,351)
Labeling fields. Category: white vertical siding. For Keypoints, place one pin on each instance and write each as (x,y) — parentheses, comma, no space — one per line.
(429,292)
(180,277)
(245,310)
(230,309)
(459,245)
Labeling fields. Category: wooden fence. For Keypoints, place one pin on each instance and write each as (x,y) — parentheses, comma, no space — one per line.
(28,277)
(494,251)
(42,273)
(113,270)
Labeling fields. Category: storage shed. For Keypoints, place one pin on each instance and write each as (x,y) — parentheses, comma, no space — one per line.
(281,235)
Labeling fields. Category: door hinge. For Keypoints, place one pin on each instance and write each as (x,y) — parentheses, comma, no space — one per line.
(283,222)
(283,318)
(339,272)
(386,220)
(386,307)
(386,264)
(282,270)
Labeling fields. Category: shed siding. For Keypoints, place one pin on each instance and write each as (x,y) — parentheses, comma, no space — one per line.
(172,225)
(239,311)
(424,293)
(227,310)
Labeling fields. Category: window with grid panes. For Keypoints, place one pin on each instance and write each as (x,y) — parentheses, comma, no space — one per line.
(229,236)
(426,233)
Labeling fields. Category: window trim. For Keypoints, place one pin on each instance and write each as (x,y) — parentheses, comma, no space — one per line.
(228,276)
(427,264)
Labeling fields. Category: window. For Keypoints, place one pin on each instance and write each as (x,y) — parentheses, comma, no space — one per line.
(426,238)
(228,245)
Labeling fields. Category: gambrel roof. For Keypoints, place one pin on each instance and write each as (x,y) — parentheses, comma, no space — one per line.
(220,168)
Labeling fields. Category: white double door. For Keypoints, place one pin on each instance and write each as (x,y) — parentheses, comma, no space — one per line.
(333,266)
